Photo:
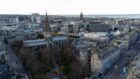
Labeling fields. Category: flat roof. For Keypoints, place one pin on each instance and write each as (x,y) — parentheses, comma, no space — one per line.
(96,35)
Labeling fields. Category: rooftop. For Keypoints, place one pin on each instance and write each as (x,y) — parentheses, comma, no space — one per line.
(4,70)
(96,35)
(136,62)
(37,42)
(134,71)
(105,51)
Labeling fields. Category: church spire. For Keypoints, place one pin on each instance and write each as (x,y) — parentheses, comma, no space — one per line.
(47,28)
(81,16)
(47,32)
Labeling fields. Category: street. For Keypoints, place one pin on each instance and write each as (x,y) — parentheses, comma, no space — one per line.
(116,73)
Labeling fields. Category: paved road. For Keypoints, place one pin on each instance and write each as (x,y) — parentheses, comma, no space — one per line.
(116,73)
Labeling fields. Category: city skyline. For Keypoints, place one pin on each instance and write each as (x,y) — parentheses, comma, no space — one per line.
(67,39)
(70,7)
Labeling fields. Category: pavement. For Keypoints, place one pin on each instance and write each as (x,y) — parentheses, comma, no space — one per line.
(116,73)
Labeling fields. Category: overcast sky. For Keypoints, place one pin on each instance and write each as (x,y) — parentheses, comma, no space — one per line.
(70,6)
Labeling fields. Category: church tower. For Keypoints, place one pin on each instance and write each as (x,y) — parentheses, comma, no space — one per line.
(81,16)
(47,28)
(47,32)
